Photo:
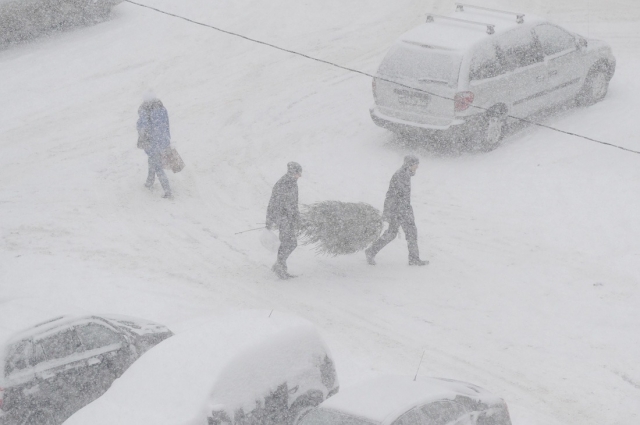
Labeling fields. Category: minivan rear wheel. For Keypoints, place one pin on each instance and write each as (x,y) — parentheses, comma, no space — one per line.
(492,130)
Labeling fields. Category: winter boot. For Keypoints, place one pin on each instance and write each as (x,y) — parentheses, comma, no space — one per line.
(286,272)
(280,271)
(371,260)
(417,262)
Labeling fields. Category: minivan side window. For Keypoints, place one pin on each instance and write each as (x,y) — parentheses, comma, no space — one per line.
(60,345)
(442,412)
(554,40)
(485,62)
(519,49)
(95,336)
(39,356)
(412,417)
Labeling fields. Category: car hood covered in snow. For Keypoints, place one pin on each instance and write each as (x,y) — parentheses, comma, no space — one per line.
(388,396)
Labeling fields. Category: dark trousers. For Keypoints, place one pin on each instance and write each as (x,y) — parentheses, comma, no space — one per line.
(410,231)
(155,168)
(288,242)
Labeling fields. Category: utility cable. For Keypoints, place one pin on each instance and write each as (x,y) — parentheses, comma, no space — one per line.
(357,71)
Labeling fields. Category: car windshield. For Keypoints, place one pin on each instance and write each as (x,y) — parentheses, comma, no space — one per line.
(424,64)
(331,417)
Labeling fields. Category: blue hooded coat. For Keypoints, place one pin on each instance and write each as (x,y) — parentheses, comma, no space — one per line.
(153,126)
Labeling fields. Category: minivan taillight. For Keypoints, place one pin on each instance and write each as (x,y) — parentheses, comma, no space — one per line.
(463,100)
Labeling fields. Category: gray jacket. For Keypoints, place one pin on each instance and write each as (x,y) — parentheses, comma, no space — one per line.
(397,203)
(283,205)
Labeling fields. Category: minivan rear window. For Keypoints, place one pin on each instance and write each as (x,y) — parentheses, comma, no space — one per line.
(19,356)
(420,63)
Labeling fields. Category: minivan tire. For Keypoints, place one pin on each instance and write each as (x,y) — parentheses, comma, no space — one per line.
(595,87)
(492,130)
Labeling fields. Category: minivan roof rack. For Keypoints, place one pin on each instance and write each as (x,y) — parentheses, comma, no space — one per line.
(490,27)
(48,321)
(519,16)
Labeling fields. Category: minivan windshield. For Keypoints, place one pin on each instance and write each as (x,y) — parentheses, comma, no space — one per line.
(420,63)
(331,417)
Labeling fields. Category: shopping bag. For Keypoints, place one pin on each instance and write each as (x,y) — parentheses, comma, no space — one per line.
(171,160)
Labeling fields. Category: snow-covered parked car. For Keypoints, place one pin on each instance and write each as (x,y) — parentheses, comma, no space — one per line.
(24,19)
(396,400)
(458,78)
(53,366)
(250,367)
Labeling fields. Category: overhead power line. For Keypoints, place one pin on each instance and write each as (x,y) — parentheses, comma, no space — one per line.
(357,71)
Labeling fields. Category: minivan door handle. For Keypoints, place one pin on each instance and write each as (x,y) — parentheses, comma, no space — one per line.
(93,361)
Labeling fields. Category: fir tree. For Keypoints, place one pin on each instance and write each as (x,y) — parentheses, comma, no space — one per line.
(339,228)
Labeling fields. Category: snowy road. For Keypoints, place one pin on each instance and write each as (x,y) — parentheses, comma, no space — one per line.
(533,286)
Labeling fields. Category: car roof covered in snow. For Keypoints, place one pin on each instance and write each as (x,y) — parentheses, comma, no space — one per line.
(386,397)
(460,36)
(24,317)
(223,364)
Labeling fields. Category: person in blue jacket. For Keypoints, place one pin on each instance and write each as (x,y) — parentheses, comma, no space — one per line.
(155,138)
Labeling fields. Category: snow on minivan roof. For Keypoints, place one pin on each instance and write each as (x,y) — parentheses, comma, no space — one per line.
(386,397)
(460,36)
(223,364)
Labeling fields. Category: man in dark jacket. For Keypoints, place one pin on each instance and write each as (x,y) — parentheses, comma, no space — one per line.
(154,137)
(284,214)
(399,212)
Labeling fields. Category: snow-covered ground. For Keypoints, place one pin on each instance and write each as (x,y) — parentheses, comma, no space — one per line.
(533,287)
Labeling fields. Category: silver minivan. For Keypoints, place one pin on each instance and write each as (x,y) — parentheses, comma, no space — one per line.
(460,78)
